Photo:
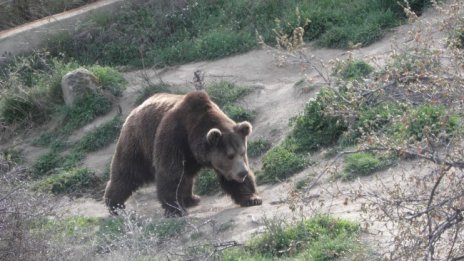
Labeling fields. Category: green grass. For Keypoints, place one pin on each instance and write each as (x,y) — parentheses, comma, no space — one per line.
(318,238)
(74,226)
(69,181)
(46,163)
(314,128)
(84,111)
(224,94)
(165,228)
(30,92)
(361,164)
(239,113)
(431,120)
(101,136)
(145,34)
(206,182)
(280,163)
(258,147)
(353,69)
(109,79)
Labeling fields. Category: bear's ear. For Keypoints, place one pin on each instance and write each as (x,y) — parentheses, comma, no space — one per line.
(244,128)
(213,136)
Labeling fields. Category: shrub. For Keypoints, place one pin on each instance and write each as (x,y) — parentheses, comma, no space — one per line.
(47,162)
(224,93)
(31,89)
(315,128)
(74,180)
(353,69)
(361,164)
(238,113)
(178,33)
(206,182)
(280,163)
(258,147)
(318,238)
(431,119)
(109,79)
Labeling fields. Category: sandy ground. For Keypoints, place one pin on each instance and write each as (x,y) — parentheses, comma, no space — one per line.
(275,100)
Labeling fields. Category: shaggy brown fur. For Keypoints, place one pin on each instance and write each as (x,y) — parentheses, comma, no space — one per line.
(169,138)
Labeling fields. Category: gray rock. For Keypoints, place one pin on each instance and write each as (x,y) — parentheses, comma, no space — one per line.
(76,84)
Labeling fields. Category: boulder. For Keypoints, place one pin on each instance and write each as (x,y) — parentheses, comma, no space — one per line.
(76,84)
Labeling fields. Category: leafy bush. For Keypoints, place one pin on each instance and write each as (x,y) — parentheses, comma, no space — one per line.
(31,90)
(238,113)
(353,69)
(431,119)
(258,147)
(109,79)
(45,163)
(74,180)
(178,33)
(318,238)
(224,93)
(206,182)
(280,163)
(361,164)
(315,128)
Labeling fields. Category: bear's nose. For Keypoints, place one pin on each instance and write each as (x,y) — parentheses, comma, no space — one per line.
(243,174)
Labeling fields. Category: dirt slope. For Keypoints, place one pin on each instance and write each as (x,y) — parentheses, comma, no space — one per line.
(276,100)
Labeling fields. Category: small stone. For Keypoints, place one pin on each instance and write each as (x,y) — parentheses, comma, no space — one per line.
(76,84)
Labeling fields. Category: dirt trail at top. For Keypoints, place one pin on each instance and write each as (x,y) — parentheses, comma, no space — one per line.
(275,100)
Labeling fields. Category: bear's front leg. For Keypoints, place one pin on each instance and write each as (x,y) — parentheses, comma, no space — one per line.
(170,194)
(243,193)
(190,199)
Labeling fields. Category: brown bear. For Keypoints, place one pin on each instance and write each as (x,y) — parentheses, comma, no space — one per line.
(168,139)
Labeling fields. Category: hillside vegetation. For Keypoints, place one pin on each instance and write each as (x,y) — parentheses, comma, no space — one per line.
(365,118)
(159,33)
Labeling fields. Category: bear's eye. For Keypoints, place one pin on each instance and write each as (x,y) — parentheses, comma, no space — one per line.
(230,156)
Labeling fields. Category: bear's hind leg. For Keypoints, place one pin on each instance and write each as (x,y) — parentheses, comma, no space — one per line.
(244,193)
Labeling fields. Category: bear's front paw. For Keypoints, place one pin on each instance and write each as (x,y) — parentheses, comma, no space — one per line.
(252,201)
(192,201)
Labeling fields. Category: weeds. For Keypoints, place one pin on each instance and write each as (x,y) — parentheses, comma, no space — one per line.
(352,69)
(314,128)
(258,147)
(31,92)
(224,94)
(280,163)
(101,136)
(318,238)
(361,164)
(69,181)
(184,32)
(206,183)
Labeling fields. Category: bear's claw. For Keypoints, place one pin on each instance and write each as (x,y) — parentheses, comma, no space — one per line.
(253,201)
(192,201)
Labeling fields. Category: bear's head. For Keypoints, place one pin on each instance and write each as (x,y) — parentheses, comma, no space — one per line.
(228,153)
